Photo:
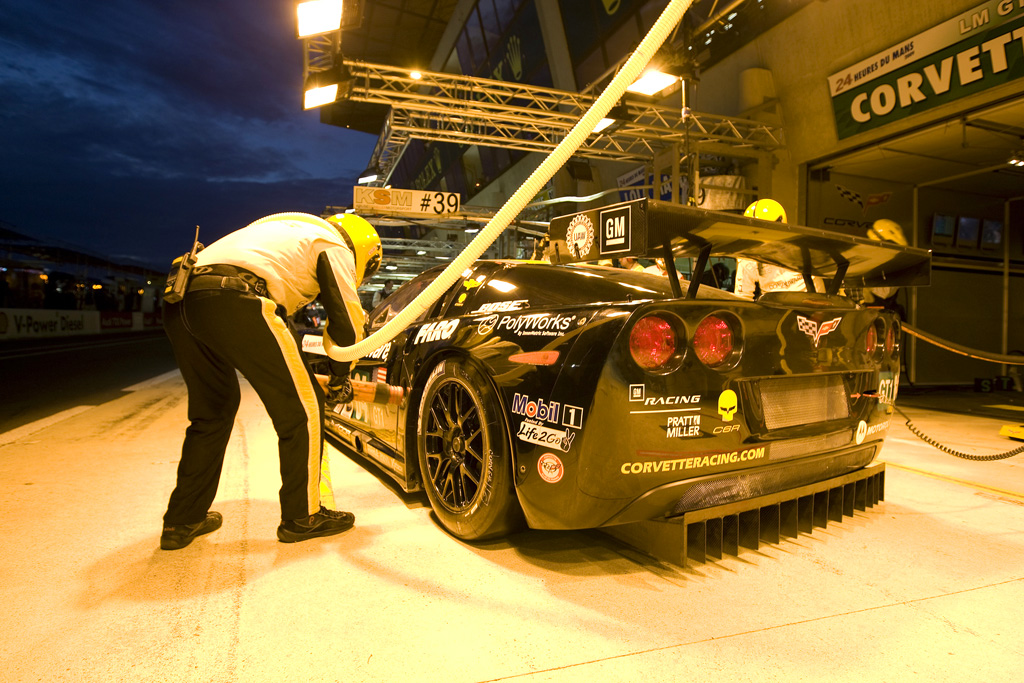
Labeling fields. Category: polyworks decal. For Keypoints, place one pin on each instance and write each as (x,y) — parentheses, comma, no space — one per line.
(531,325)
(550,468)
(486,325)
(695,462)
(579,236)
(545,436)
(615,232)
(436,331)
(815,330)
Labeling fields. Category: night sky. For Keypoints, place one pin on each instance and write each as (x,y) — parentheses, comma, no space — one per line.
(124,123)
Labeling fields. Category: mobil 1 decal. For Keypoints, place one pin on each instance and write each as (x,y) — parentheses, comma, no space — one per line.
(615,232)
(547,423)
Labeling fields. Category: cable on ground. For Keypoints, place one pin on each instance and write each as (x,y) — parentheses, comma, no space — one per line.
(960,454)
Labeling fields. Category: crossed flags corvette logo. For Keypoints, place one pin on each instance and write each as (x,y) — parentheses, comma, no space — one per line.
(816,330)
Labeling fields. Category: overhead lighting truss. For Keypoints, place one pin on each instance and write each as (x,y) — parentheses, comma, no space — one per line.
(466,110)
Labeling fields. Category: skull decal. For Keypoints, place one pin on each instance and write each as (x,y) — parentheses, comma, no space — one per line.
(727,405)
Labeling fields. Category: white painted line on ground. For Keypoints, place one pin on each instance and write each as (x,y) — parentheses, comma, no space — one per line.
(1006,407)
(39,425)
(153,381)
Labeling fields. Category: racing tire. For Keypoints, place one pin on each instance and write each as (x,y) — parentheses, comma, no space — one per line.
(464,454)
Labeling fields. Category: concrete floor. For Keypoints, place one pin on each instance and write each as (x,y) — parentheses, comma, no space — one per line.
(928,585)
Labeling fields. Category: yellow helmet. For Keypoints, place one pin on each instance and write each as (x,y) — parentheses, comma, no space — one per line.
(885,229)
(766,210)
(363,240)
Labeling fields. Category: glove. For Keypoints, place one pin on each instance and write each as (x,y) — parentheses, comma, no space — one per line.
(339,390)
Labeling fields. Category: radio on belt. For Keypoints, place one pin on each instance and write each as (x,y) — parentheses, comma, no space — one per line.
(181,269)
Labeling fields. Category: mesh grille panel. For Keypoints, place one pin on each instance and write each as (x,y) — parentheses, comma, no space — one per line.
(791,401)
(812,444)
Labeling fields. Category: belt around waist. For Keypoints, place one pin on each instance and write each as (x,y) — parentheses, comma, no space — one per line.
(222,276)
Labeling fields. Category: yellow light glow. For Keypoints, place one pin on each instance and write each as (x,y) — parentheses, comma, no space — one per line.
(415,75)
(319,16)
(97,286)
(651,82)
(602,124)
(44,277)
(317,97)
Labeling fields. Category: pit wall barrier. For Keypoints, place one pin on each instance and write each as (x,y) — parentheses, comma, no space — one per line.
(40,323)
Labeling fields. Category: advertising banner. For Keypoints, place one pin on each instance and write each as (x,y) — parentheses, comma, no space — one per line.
(37,323)
(632,184)
(26,323)
(976,50)
(381,200)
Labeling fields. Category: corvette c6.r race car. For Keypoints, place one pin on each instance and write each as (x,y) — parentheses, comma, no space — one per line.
(568,395)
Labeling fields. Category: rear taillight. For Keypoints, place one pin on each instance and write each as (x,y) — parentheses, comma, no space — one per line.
(714,341)
(871,339)
(892,339)
(653,343)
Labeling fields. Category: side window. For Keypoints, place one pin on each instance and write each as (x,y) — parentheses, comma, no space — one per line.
(394,304)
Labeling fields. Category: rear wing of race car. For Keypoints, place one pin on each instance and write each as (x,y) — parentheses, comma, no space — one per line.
(646,228)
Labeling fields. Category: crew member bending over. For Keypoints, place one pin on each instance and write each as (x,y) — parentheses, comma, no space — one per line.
(232,316)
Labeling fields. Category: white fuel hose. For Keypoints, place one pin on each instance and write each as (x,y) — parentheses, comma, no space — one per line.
(630,71)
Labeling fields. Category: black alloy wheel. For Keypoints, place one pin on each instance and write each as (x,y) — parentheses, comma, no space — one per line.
(464,454)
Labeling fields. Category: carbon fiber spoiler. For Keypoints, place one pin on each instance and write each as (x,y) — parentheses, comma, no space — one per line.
(646,228)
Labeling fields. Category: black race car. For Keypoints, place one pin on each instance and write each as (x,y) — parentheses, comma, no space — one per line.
(568,395)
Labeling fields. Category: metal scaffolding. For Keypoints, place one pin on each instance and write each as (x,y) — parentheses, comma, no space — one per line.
(467,110)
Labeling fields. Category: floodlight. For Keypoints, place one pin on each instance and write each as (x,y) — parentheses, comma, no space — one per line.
(617,115)
(369,175)
(327,86)
(1016,159)
(652,82)
(319,16)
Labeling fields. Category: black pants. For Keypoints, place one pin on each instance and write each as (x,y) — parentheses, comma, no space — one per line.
(215,332)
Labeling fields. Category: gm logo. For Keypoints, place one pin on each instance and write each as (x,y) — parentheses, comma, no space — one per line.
(615,231)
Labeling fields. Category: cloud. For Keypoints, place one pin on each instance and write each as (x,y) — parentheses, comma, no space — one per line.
(127,122)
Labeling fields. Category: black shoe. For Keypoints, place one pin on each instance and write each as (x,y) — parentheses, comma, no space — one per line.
(179,536)
(323,523)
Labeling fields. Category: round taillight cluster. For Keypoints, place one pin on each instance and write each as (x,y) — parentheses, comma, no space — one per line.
(882,338)
(892,339)
(714,341)
(657,342)
(871,339)
(653,342)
